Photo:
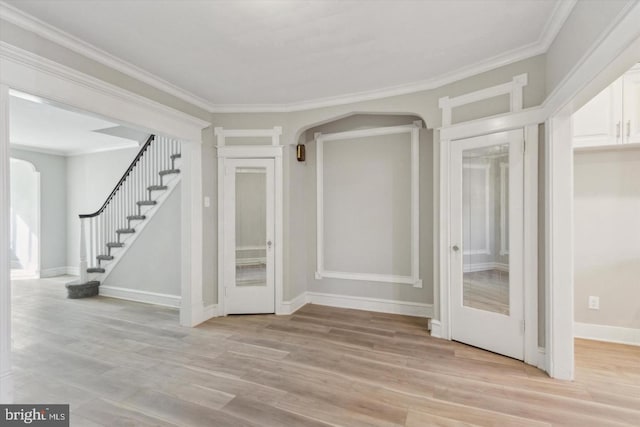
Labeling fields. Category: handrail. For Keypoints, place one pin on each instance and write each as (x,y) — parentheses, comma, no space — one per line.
(124,177)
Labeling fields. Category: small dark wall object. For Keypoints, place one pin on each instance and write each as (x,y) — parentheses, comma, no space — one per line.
(300,152)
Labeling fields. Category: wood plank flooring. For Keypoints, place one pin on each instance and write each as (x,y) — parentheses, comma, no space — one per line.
(120,363)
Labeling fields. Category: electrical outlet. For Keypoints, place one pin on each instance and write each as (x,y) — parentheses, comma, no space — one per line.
(207,202)
(594,303)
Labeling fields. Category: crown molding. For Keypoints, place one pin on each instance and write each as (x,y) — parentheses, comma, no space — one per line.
(71,153)
(540,46)
(51,33)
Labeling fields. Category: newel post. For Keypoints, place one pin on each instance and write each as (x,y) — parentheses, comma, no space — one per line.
(83,253)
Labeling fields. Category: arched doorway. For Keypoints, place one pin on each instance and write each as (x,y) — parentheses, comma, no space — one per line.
(24,238)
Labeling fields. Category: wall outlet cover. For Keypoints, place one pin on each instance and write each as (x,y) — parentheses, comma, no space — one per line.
(594,303)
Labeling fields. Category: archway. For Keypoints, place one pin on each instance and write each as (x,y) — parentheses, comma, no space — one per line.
(24,238)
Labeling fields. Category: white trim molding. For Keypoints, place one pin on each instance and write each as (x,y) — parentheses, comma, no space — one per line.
(295,304)
(273,151)
(59,271)
(24,71)
(140,296)
(514,89)
(547,35)
(414,131)
(372,304)
(6,378)
(615,334)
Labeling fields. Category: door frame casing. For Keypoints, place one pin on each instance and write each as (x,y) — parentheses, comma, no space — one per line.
(529,122)
(275,152)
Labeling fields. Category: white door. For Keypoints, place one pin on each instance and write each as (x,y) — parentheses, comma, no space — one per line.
(249,208)
(486,242)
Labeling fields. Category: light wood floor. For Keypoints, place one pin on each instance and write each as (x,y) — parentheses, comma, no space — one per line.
(126,364)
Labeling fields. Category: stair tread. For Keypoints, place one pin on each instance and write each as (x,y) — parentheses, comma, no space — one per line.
(176,156)
(95,270)
(168,172)
(105,257)
(157,187)
(146,202)
(136,217)
(125,230)
(115,244)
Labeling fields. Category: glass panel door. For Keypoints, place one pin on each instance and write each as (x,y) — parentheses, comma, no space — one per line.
(249,212)
(486,238)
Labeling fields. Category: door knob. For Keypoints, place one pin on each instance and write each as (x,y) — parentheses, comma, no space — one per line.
(269,243)
(455,248)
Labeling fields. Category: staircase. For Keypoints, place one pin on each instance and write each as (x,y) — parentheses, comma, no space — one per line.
(106,234)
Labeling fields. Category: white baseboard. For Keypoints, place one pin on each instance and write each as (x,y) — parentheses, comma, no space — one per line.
(542,359)
(614,334)
(6,388)
(486,266)
(59,271)
(141,296)
(209,312)
(372,304)
(290,307)
(436,328)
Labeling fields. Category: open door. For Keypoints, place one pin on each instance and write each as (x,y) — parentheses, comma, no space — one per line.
(487,286)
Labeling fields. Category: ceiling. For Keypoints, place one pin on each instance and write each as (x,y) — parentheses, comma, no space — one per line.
(262,52)
(50,129)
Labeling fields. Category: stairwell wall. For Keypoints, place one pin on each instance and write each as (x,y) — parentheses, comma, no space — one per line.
(152,262)
(90,179)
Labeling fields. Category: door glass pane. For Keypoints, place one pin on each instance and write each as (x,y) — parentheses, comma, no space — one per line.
(485,205)
(251,227)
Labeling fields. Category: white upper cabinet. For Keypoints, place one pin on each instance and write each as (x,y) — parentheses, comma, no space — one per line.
(631,128)
(611,117)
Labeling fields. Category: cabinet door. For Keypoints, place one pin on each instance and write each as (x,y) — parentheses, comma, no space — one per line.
(631,128)
(599,121)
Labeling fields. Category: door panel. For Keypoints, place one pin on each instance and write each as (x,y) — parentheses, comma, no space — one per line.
(249,230)
(487,242)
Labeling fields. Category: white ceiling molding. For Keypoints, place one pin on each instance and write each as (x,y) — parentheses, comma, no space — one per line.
(552,27)
(49,32)
(10,54)
(70,153)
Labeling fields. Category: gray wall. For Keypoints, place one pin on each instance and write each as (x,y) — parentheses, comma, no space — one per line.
(53,206)
(397,237)
(607,237)
(152,263)
(90,179)
(588,21)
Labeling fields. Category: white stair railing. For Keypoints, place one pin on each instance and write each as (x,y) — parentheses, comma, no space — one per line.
(106,229)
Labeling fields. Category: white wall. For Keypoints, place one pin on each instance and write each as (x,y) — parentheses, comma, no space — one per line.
(25,217)
(53,205)
(152,263)
(90,179)
(607,237)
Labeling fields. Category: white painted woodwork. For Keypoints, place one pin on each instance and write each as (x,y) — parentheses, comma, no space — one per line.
(6,378)
(258,297)
(513,88)
(321,271)
(500,333)
(229,153)
(612,117)
(631,106)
